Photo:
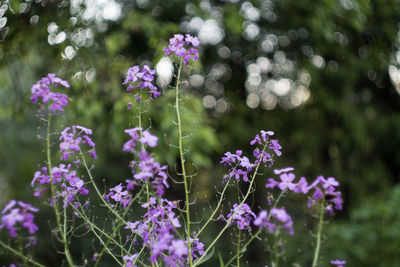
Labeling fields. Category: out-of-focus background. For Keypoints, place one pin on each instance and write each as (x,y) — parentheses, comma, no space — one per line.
(324,75)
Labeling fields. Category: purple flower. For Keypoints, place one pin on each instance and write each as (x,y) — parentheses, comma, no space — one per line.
(71,140)
(141,80)
(283,217)
(274,145)
(41,90)
(18,213)
(149,139)
(236,161)
(118,194)
(69,186)
(326,189)
(128,260)
(150,169)
(262,219)
(241,216)
(339,263)
(287,177)
(183,47)
(270,144)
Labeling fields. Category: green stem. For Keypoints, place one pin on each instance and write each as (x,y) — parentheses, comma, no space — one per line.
(236,210)
(244,246)
(319,235)
(116,228)
(98,190)
(52,189)
(182,159)
(215,210)
(238,251)
(23,257)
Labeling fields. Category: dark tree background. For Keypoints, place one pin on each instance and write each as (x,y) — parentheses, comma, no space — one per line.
(324,75)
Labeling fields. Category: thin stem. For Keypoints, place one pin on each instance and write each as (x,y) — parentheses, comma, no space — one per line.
(52,189)
(98,190)
(23,257)
(235,211)
(244,247)
(117,227)
(215,211)
(320,224)
(182,159)
(238,251)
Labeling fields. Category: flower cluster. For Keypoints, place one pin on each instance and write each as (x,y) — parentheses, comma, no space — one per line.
(241,216)
(159,238)
(286,182)
(41,90)
(146,139)
(264,140)
(17,212)
(183,47)
(326,189)
(142,80)
(70,184)
(323,188)
(149,168)
(70,141)
(240,165)
(118,194)
(281,217)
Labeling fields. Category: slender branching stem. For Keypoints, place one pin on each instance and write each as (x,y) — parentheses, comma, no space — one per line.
(215,210)
(60,229)
(19,254)
(117,228)
(98,190)
(228,223)
(244,247)
(319,234)
(182,159)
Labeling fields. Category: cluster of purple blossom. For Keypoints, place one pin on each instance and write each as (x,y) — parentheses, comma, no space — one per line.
(157,230)
(41,90)
(18,212)
(281,217)
(118,194)
(149,168)
(70,141)
(241,165)
(243,216)
(183,47)
(323,188)
(70,184)
(142,80)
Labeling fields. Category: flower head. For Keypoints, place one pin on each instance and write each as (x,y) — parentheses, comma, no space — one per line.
(18,213)
(42,90)
(141,81)
(183,47)
(72,137)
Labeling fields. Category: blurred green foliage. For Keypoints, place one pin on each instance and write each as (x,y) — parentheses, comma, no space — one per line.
(349,127)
